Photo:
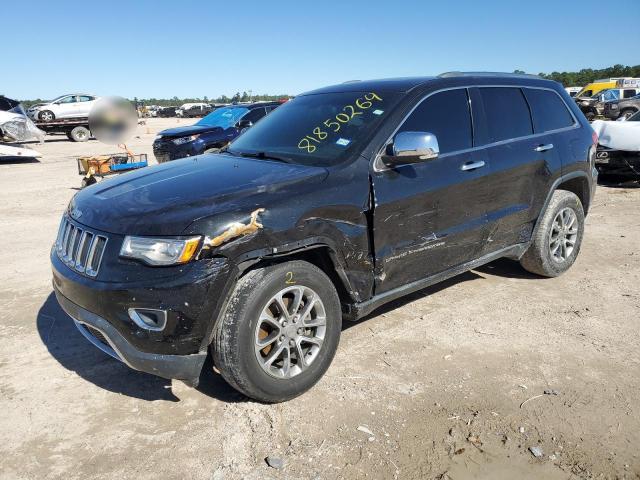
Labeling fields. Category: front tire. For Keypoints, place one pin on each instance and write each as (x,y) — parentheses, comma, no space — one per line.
(279,332)
(557,240)
(46,116)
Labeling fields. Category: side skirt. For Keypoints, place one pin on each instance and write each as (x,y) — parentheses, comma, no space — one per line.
(361,309)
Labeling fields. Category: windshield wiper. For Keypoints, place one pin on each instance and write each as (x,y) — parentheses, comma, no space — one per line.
(262,156)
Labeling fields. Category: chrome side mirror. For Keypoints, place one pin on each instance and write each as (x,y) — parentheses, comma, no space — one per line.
(412,147)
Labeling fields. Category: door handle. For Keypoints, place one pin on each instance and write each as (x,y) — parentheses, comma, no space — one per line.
(472,166)
(544,148)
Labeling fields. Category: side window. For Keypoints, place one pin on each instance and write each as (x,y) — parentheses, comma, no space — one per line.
(506,112)
(446,115)
(70,99)
(628,93)
(548,110)
(84,98)
(587,93)
(254,115)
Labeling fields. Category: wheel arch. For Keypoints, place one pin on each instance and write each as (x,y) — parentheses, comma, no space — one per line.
(316,251)
(575,182)
(579,186)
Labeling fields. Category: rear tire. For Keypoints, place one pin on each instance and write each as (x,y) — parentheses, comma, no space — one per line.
(256,342)
(627,113)
(79,134)
(46,116)
(557,240)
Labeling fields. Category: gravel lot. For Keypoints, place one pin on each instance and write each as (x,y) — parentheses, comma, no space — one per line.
(436,380)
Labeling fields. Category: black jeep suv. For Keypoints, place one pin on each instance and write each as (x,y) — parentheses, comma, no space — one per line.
(339,201)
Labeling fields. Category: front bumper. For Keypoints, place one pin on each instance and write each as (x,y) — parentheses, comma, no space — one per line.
(182,367)
(190,294)
(617,162)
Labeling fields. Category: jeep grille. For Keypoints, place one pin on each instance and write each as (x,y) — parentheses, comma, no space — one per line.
(79,248)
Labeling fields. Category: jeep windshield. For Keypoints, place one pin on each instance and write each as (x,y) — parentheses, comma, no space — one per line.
(316,129)
(225,117)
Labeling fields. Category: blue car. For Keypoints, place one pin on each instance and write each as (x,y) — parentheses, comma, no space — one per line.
(211,133)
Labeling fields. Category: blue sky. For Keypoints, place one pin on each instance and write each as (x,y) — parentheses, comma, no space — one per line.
(191,49)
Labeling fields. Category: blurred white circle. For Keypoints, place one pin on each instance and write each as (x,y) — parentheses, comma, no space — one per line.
(113,120)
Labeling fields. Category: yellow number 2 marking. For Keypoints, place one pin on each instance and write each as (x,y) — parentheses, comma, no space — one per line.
(289,278)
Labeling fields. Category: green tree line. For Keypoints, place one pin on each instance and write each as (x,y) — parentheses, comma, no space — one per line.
(588,75)
(176,102)
(568,79)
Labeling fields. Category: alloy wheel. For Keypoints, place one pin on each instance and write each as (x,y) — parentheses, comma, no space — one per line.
(563,236)
(290,332)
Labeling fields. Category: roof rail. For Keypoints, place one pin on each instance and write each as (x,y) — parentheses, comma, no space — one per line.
(352,81)
(487,74)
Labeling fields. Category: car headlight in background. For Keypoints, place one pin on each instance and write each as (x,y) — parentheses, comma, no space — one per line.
(182,140)
(160,251)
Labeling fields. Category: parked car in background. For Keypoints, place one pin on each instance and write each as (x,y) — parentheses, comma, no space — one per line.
(622,108)
(16,126)
(618,146)
(150,110)
(596,86)
(65,106)
(211,133)
(188,110)
(342,200)
(594,106)
(165,112)
(572,91)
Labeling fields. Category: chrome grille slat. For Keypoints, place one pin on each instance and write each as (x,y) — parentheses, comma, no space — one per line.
(79,248)
(72,245)
(65,239)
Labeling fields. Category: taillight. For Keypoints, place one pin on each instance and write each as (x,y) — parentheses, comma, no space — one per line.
(594,137)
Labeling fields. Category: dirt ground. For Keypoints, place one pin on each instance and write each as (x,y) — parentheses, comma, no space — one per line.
(437,381)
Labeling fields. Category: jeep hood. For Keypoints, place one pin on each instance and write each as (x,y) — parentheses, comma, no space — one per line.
(165,199)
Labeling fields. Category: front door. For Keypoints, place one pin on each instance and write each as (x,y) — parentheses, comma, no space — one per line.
(67,107)
(431,216)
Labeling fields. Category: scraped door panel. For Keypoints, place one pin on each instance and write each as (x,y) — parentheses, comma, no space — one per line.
(431,216)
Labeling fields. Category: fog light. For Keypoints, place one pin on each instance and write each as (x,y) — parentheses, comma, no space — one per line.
(149,318)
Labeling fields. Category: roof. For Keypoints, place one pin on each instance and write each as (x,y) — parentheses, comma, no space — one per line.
(406,84)
(390,84)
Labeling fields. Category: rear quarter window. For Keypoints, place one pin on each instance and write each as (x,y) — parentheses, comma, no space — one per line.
(548,110)
(506,112)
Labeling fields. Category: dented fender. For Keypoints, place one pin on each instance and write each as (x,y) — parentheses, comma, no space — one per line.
(295,218)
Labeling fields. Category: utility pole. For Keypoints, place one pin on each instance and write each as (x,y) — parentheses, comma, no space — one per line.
(250,92)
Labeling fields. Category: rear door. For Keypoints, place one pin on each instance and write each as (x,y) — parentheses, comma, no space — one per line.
(522,164)
(430,216)
(83,106)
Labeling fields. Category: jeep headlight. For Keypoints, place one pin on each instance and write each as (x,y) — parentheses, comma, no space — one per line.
(584,104)
(160,251)
(183,140)
(614,106)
